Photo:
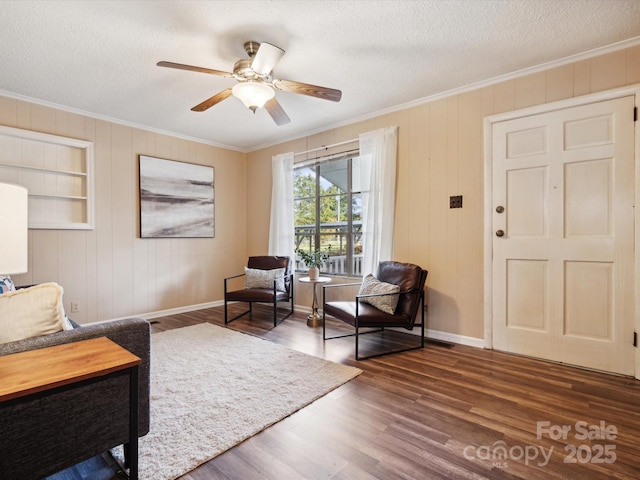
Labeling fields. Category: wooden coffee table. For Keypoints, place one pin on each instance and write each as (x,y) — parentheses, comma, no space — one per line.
(34,372)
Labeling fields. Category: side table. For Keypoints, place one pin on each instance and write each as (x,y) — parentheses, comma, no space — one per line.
(314,320)
(39,372)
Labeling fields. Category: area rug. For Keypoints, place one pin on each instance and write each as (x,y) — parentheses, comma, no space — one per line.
(212,388)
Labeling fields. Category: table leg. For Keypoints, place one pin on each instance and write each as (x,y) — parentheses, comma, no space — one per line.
(133,423)
(314,320)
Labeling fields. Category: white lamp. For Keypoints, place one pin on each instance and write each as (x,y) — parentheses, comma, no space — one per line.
(253,94)
(14,226)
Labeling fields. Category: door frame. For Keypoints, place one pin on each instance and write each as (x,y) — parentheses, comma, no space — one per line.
(631,90)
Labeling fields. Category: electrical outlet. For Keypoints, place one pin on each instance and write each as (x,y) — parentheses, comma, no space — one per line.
(75,308)
(455,201)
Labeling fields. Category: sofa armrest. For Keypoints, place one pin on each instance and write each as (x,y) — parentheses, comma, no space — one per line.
(132,334)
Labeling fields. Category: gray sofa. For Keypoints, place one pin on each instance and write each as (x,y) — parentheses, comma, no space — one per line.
(53,432)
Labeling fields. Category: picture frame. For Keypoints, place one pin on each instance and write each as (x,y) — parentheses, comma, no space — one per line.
(176,199)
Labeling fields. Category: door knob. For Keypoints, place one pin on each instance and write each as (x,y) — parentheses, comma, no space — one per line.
(499,233)
(499,209)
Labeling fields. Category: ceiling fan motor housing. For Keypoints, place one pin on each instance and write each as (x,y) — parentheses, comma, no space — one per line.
(251,48)
(243,72)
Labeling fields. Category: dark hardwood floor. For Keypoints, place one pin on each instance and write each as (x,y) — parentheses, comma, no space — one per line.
(445,412)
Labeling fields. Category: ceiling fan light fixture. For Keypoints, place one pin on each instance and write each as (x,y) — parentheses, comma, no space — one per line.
(257,86)
(253,94)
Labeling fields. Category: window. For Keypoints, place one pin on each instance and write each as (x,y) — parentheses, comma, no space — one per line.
(328,213)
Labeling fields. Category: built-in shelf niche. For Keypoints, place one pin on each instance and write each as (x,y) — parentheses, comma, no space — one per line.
(58,174)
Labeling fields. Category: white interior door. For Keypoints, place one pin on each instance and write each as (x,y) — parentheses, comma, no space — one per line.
(563,268)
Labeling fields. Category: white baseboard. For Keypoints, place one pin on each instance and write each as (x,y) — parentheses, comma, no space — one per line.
(455,338)
(429,333)
(170,311)
(446,337)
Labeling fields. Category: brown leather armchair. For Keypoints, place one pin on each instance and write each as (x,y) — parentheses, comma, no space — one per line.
(359,313)
(278,289)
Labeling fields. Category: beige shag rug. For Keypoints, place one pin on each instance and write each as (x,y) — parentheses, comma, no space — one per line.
(211,388)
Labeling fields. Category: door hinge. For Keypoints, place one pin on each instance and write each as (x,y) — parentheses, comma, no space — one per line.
(635,339)
(635,114)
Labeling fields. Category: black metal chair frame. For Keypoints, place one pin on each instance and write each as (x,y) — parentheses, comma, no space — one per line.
(357,332)
(276,322)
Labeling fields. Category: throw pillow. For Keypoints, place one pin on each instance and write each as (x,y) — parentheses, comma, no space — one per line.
(33,311)
(386,303)
(256,278)
(6,284)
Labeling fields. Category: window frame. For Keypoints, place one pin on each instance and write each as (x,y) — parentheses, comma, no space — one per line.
(350,233)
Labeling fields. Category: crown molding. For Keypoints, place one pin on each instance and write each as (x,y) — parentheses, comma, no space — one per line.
(596,52)
(105,118)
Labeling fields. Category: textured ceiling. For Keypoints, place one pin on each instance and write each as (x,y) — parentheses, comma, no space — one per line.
(99,57)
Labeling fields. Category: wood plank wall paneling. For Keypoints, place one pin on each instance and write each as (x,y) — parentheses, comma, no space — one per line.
(416,195)
(632,66)
(470,217)
(110,272)
(608,71)
(530,90)
(404,194)
(581,78)
(451,233)
(559,83)
(104,220)
(441,153)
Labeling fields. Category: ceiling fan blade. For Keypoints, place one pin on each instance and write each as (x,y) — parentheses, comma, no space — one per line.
(277,113)
(210,102)
(266,58)
(307,89)
(191,68)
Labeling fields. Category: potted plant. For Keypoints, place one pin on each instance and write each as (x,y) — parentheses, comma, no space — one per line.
(313,261)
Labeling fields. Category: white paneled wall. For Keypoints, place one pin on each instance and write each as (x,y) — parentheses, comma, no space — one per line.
(440,154)
(112,273)
(109,271)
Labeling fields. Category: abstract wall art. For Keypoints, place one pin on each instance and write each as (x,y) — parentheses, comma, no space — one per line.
(176,199)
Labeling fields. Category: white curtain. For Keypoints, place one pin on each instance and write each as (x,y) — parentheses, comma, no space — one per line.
(281,230)
(378,150)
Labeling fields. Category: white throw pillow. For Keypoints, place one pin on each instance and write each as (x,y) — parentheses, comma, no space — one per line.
(33,311)
(256,278)
(386,303)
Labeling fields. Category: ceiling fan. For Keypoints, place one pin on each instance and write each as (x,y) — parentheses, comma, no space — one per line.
(256,85)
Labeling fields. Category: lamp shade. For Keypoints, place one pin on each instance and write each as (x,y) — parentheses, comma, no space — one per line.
(253,94)
(14,227)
